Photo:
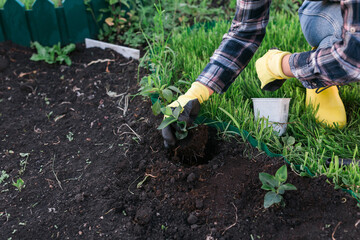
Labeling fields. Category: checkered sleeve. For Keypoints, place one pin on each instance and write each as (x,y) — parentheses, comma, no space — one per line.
(338,64)
(238,45)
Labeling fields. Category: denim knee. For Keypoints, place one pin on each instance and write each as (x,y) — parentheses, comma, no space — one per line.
(321,23)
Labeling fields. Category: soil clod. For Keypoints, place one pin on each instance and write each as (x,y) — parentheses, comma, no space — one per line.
(192,219)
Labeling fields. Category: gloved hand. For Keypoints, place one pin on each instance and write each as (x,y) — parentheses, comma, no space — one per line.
(190,103)
(269,70)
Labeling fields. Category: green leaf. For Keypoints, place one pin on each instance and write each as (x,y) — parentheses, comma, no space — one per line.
(288,187)
(68,61)
(36,57)
(182,126)
(68,49)
(167,121)
(177,111)
(271,198)
(267,187)
(181,134)
(168,95)
(281,174)
(175,89)
(112,2)
(290,141)
(167,111)
(40,49)
(268,179)
(60,58)
(156,108)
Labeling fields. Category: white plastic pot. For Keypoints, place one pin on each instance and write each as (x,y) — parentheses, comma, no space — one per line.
(276,110)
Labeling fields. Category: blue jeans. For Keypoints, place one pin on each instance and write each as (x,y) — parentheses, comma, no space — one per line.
(321,23)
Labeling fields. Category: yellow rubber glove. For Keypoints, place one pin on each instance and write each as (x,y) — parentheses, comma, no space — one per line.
(269,70)
(190,103)
(197,91)
(331,108)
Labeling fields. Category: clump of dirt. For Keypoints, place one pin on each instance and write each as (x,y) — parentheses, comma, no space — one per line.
(97,167)
(191,150)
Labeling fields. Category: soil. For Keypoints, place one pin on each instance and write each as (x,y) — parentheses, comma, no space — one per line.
(95,167)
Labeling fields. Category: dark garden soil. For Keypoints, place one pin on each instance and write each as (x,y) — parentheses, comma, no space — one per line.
(97,168)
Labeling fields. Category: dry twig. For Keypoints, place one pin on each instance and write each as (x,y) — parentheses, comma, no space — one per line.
(332,235)
(357,223)
(55,173)
(100,61)
(236,219)
(132,131)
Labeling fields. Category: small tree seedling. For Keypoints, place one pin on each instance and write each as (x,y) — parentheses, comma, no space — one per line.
(276,186)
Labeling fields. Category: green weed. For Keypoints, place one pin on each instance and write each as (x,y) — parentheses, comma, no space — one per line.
(53,54)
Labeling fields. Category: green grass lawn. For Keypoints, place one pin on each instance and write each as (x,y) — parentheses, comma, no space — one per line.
(182,58)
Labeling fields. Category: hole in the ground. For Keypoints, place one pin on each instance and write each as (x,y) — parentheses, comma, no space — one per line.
(198,148)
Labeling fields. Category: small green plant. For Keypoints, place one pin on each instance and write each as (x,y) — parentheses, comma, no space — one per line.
(5,214)
(70,136)
(276,186)
(152,86)
(163,227)
(23,162)
(48,115)
(19,184)
(53,54)
(3,176)
(173,117)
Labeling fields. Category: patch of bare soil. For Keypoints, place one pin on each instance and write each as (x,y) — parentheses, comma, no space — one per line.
(97,168)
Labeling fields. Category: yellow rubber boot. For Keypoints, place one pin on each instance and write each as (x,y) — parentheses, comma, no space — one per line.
(331,108)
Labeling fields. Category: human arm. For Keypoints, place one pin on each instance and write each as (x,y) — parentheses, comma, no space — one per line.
(234,53)
(238,45)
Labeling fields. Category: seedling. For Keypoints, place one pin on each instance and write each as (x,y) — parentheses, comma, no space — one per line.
(5,214)
(19,184)
(47,102)
(48,115)
(163,227)
(152,85)
(276,186)
(23,162)
(173,117)
(69,136)
(3,176)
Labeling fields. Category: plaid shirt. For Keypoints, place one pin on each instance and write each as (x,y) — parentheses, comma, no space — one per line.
(339,64)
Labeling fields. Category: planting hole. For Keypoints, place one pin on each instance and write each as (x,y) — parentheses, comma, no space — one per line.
(197,148)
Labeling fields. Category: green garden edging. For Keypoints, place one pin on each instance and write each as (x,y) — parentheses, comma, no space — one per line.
(49,25)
